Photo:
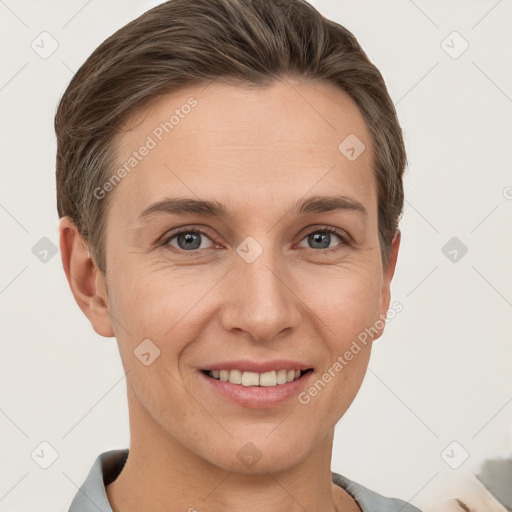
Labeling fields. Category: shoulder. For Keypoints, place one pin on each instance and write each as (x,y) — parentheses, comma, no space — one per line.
(370,501)
(92,497)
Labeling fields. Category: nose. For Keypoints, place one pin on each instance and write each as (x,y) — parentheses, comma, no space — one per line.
(261,298)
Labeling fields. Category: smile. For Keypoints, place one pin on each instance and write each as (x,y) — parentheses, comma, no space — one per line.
(247,378)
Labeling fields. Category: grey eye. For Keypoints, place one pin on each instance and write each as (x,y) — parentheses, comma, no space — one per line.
(322,238)
(188,240)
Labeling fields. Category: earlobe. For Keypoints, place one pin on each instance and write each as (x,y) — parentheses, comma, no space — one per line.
(84,278)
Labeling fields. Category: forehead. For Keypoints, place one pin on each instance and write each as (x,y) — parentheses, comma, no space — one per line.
(244,145)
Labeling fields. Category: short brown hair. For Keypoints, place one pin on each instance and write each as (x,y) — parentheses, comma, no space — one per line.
(180,43)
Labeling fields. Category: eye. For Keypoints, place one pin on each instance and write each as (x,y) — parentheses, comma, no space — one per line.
(321,238)
(188,240)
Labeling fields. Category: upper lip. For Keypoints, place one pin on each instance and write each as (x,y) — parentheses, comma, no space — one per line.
(259,366)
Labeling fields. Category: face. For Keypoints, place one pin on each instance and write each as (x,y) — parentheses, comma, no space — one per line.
(266,276)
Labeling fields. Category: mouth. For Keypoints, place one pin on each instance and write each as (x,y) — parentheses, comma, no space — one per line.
(273,378)
(256,384)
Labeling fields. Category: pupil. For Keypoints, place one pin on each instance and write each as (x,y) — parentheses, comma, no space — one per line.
(320,237)
(189,239)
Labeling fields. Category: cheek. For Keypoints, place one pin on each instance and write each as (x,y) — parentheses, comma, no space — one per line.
(152,303)
(346,310)
(151,319)
(165,307)
(346,301)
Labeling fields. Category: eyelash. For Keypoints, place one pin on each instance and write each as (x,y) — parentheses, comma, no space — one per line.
(323,229)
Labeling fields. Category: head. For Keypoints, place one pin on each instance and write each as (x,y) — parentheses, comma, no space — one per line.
(229,120)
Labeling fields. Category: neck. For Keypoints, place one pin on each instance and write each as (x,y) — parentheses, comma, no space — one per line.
(161,474)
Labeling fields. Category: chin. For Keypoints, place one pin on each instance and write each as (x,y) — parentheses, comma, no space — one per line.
(263,453)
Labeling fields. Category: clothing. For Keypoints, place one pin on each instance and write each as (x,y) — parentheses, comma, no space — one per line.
(92,497)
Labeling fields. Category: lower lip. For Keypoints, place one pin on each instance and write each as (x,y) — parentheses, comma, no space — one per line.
(258,397)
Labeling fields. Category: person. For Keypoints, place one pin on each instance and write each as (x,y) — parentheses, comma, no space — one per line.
(229,184)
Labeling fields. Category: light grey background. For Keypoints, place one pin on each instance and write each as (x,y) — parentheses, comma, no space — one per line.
(442,370)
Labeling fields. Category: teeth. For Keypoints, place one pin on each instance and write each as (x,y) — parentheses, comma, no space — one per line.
(235,377)
(248,378)
(281,376)
(267,379)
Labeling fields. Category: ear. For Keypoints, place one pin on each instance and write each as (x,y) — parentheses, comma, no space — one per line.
(388,272)
(85,280)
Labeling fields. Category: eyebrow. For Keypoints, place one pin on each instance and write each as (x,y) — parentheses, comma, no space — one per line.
(309,206)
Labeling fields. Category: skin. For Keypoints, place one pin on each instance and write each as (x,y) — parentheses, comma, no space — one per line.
(256,151)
